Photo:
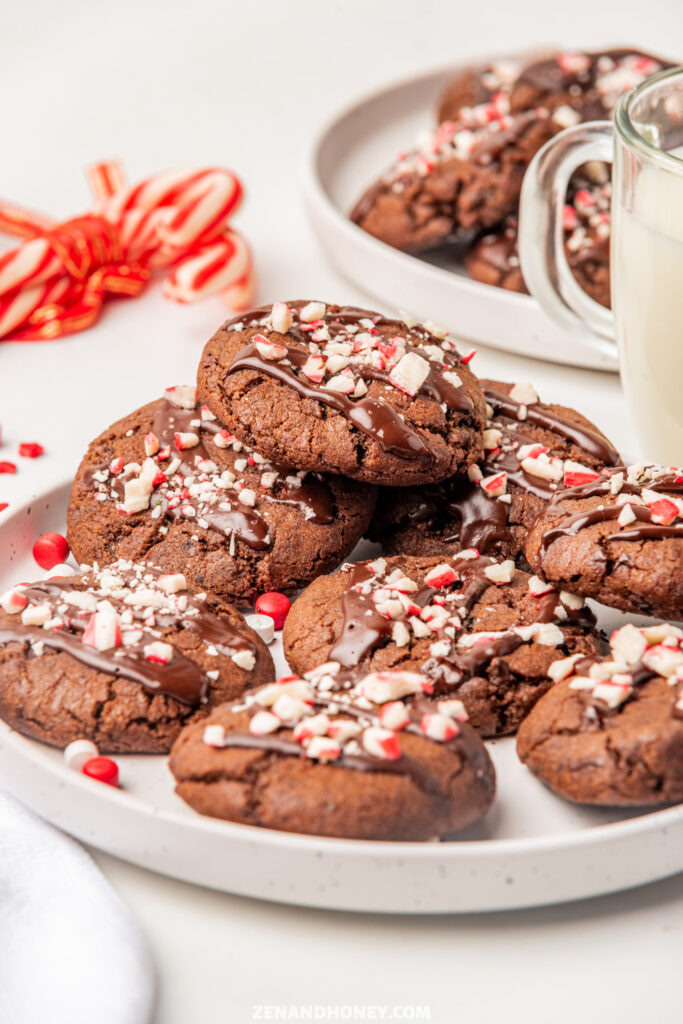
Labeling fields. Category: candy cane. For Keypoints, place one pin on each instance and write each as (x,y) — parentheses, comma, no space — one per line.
(57,281)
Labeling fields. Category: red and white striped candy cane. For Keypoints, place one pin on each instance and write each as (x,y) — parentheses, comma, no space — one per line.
(57,281)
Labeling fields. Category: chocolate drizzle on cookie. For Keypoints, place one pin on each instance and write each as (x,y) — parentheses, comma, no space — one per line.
(202,491)
(377,419)
(138,613)
(641,514)
(368,623)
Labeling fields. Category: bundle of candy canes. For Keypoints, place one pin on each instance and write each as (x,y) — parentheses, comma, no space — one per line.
(56,281)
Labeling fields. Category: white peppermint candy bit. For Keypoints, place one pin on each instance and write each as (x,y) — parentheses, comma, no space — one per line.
(290,709)
(172,584)
(500,572)
(78,752)
(315,725)
(475,474)
(244,659)
(183,395)
(269,350)
(400,634)
(439,727)
(13,601)
(492,438)
(627,515)
(378,566)
(264,723)
(571,601)
(547,468)
(382,743)
(494,485)
(394,716)
(312,311)
(328,668)
(662,632)
(612,694)
(548,634)
(628,644)
(441,575)
(539,587)
(524,393)
(262,625)
(663,660)
(296,688)
(343,729)
(438,330)
(381,687)
(62,570)
(214,735)
(136,494)
(159,652)
(563,668)
(410,373)
(453,709)
(281,318)
(185,439)
(343,384)
(247,497)
(323,748)
(151,444)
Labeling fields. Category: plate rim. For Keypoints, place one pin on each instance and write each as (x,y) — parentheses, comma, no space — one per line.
(609,832)
(318,202)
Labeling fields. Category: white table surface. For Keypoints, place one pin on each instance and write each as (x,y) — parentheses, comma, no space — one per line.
(168,84)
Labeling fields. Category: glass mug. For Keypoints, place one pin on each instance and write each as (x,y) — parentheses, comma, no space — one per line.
(645,146)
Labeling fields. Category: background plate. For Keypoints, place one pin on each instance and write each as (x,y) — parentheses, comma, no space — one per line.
(531,849)
(350,152)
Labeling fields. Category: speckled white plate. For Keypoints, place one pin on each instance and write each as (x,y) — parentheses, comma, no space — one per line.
(352,149)
(531,849)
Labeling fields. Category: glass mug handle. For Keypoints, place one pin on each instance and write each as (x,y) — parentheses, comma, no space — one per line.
(541,236)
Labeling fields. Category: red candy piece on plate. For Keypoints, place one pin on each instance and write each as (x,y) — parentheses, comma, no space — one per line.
(51,549)
(7,467)
(102,769)
(3,505)
(275,606)
(31,449)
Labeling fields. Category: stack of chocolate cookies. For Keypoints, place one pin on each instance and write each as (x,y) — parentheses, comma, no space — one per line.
(460,185)
(312,425)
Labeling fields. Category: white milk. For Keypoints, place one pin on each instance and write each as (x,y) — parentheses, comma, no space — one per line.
(647,297)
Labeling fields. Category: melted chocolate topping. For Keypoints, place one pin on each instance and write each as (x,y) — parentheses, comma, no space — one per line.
(647,530)
(377,419)
(181,678)
(313,498)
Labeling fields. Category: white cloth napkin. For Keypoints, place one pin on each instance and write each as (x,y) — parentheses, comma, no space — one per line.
(70,953)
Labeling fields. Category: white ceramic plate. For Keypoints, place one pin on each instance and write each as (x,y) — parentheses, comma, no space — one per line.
(348,154)
(531,849)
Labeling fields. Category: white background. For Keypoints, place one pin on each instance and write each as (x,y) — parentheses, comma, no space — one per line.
(170,84)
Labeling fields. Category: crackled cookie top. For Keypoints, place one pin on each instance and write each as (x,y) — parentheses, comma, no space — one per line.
(531,450)
(478,628)
(406,766)
(611,730)
(364,395)
(171,483)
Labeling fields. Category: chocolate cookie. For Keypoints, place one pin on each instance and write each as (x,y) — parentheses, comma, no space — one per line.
(611,731)
(171,484)
(617,538)
(369,757)
(345,390)
(475,86)
(531,449)
(463,177)
(587,84)
(481,630)
(124,656)
(494,259)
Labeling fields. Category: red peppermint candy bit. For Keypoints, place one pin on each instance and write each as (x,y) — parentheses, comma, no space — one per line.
(51,549)
(7,467)
(663,511)
(3,505)
(31,449)
(275,606)
(102,769)
(469,357)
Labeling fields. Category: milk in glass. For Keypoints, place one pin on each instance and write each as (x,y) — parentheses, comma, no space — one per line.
(647,298)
